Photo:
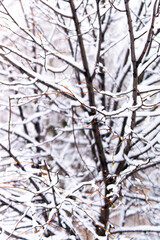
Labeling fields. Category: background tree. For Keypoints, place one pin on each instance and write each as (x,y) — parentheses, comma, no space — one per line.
(79,119)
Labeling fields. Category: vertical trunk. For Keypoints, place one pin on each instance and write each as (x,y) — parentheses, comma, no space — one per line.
(104,215)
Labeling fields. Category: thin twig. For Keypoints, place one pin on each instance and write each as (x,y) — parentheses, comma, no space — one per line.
(9,125)
(77,146)
(18,222)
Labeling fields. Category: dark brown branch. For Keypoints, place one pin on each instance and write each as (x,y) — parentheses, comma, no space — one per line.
(150,33)
(134,64)
(91,96)
(99,39)
(135,83)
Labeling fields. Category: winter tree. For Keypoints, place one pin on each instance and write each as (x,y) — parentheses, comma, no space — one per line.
(80,119)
